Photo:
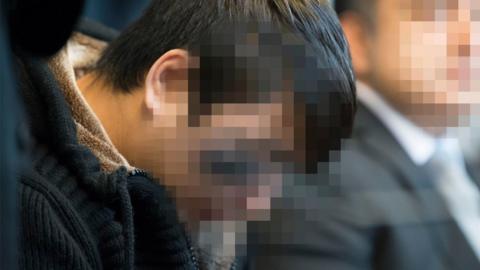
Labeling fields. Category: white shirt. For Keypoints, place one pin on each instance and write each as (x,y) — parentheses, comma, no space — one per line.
(418,144)
(461,195)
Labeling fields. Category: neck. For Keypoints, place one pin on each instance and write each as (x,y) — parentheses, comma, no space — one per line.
(433,118)
(117,111)
(221,241)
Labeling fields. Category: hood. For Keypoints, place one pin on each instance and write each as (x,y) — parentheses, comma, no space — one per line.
(73,61)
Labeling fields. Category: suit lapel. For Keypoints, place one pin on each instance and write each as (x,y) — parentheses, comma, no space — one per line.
(444,233)
(381,143)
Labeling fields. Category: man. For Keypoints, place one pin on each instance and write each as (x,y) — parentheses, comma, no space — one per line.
(402,196)
(218,100)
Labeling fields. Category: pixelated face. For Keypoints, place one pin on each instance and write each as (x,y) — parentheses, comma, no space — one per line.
(427,51)
(223,166)
(230,128)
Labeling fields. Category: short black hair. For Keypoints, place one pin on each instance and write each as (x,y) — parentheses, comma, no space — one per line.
(329,105)
(170,24)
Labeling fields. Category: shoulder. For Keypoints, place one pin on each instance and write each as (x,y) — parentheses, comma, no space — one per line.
(360,168)
(372,156)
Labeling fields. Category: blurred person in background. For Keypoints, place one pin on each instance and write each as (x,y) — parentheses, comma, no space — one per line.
(404,195)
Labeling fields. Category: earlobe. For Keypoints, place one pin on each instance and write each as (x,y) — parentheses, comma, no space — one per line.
(160,75)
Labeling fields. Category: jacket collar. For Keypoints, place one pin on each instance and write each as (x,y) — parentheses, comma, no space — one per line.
(416,142)
(77,57)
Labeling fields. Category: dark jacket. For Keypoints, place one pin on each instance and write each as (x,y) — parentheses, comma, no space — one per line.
(76,210)
(377,210)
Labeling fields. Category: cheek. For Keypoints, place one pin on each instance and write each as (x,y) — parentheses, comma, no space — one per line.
(166,152)
(416,59)
(423,46)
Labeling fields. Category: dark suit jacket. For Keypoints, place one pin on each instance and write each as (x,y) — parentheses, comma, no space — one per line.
(380,211)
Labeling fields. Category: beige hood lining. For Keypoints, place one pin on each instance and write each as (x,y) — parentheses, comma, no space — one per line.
(76,58)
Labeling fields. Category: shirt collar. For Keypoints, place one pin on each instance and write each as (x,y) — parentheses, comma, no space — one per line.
(416,142)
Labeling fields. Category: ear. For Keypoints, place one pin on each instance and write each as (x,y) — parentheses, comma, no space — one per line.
(168,68)
(359,39)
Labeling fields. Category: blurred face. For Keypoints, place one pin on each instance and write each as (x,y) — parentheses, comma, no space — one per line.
(227,128)
(424,57)
(221,167)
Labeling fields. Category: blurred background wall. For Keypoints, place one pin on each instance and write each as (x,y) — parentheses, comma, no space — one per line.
(114,13)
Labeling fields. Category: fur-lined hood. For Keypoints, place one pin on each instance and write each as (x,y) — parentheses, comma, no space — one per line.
(73,61)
